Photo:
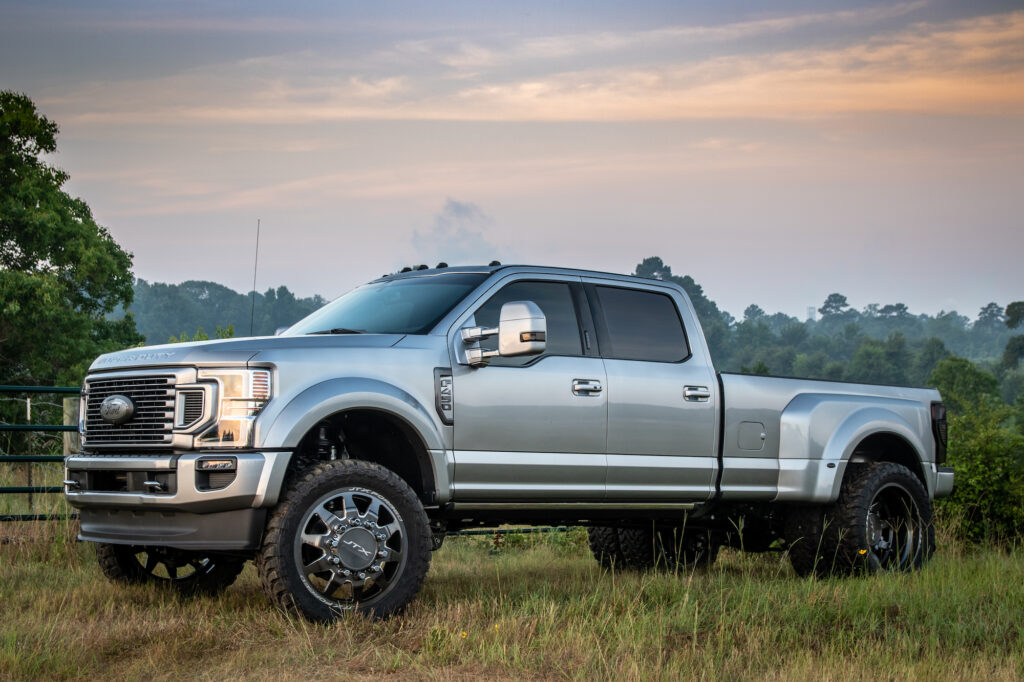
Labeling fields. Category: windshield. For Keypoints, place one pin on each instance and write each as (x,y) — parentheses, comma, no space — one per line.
(398,306)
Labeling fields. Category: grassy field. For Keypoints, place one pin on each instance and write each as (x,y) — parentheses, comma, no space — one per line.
(537,607)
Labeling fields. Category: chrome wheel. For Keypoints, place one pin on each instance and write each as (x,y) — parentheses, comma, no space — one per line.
(350,548)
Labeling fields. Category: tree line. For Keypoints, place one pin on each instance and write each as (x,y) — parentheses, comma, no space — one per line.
(881,344)
(164,312)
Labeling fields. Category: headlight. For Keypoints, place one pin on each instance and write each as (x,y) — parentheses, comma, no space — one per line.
(242,393)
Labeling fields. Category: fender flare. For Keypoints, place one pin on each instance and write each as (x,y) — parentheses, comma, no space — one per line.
(329,397)
(819,433)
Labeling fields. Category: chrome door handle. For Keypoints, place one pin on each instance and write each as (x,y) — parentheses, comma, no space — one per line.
(586,386)
(697,394)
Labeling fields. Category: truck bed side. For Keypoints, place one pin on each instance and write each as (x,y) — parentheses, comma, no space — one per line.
(792,439)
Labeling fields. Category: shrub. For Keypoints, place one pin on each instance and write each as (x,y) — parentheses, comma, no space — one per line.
(988,496)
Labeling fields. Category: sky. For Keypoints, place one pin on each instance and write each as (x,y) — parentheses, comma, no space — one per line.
(776,152)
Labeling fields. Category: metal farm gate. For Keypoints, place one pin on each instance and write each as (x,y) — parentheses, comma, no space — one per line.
(69,427)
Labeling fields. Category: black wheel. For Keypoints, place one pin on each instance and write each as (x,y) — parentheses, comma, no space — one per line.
(190,573)
(604,545)
(882,521)
(347,535)
(667,548)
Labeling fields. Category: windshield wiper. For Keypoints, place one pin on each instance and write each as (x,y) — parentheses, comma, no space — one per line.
(339,330)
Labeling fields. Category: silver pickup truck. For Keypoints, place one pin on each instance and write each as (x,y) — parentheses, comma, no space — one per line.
(339,453)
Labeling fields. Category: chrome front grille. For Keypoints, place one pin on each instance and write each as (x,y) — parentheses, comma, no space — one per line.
(153,420)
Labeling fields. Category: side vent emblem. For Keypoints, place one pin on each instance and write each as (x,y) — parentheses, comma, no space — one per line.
(444,394)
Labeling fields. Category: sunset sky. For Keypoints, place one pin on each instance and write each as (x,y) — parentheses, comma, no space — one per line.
(776,152)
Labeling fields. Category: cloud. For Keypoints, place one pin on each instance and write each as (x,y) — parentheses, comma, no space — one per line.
(457,237)
(967,67)
(465,55)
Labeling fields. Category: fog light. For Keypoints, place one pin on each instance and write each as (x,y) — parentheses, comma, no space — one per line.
(224,464)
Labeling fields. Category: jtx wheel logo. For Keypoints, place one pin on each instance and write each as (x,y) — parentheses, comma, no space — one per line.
(356,546)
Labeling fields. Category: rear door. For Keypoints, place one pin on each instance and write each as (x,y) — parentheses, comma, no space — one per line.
(661,398)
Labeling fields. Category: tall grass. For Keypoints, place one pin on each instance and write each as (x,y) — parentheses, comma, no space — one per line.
(529,607)
(43,474)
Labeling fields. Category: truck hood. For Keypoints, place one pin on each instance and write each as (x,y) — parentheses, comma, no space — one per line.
(233,351)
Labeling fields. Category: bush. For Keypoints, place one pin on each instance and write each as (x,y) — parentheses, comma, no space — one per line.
(987,504)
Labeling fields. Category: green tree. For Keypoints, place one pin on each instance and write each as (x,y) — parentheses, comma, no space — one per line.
(1014,351)
(1015,346)
(201,335)
(715,323)
(871,364)
(990,318)
(61,274)
(1014,314)
(963,386)
(835,304)
(930,354)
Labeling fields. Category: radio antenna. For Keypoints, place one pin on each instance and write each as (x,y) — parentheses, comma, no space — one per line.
(255,264)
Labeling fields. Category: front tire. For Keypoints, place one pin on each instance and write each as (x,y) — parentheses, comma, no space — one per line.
(346,536)
(189,573)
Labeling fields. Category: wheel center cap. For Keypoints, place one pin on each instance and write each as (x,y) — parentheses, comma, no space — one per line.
(357,548)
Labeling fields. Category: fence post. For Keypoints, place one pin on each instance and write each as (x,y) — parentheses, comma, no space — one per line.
(72,439)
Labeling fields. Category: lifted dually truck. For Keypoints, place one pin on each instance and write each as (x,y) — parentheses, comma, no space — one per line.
(338,454)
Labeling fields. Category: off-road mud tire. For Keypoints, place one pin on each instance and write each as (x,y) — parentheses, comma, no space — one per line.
(604,545)
(850,536)
(276,562)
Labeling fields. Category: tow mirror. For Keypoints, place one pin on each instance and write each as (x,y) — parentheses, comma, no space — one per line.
(522,330)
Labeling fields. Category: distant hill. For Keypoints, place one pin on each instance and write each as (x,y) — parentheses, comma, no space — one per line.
(165,310)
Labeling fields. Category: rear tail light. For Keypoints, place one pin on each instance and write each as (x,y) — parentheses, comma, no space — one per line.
(940,430)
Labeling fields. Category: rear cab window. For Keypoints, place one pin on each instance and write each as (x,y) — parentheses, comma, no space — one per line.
(637,324)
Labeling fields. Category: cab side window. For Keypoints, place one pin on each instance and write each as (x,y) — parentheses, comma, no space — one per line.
(640,325)
(554,299)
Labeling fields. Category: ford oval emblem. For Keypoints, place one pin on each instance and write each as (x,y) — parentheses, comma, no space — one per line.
(117,409)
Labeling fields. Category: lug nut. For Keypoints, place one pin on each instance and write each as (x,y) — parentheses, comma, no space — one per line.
(336,560)
(334,543)
(346,572)
(362,576)
(383,554)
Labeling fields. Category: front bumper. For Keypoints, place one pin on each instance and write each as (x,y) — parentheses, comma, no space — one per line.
(235,530)
(164,500)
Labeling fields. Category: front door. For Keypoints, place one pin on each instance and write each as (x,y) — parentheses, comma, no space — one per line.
(532,428)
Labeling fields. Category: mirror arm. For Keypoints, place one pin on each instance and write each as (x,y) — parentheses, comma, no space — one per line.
(474,334)
(476,357)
